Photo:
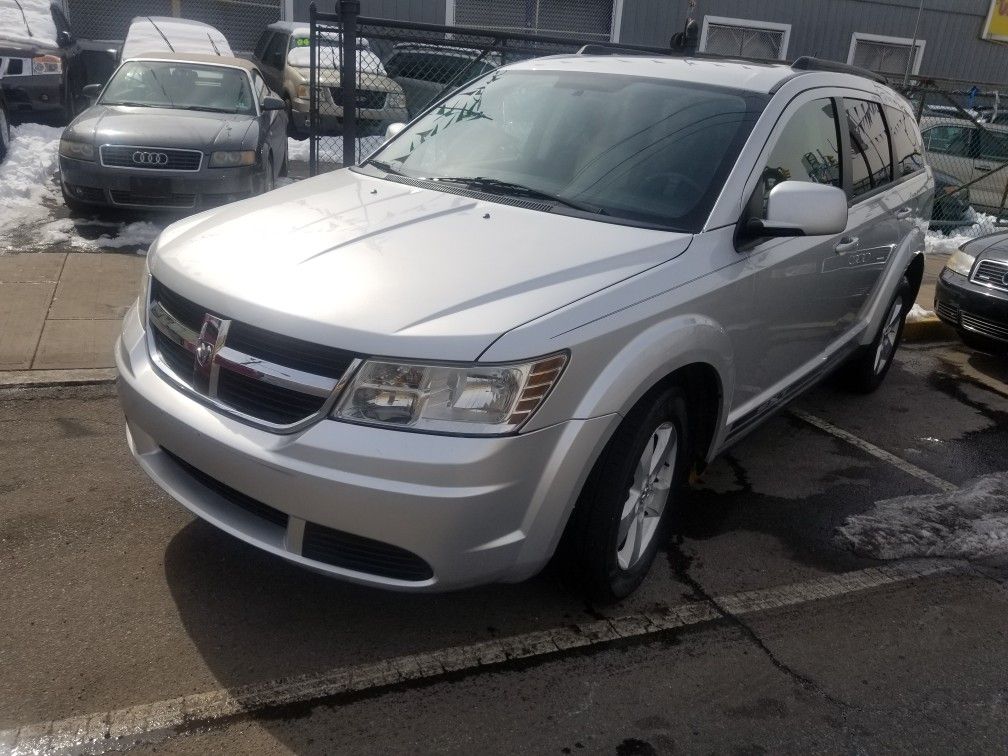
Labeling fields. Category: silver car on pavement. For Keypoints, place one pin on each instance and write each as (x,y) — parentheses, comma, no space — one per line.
(175,132)
(519,325)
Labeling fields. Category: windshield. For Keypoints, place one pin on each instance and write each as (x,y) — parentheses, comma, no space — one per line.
(183,86)
(650,151)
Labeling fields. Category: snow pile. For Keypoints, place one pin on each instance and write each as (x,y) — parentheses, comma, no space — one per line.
(297,150)
(942,243)
(918,313)
(29,194)
(35,26)
(971,523)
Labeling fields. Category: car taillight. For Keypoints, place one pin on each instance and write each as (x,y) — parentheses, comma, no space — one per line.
(47,64)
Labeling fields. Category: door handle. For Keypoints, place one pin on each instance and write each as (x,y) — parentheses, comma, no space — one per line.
(847,244)
(904,213)
(984,167)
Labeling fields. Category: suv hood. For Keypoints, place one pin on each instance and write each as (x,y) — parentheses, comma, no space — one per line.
(378,267)
(161,127)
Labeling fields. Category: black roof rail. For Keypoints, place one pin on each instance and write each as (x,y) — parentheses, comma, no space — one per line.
(808,63)
(598,49)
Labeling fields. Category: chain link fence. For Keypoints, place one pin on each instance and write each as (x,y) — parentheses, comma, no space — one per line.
(740,42)
(241,21)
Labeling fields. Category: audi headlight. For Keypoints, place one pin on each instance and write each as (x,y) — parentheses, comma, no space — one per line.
(69,148)
(47,64)
(961,262)
(483,400)
(232,159)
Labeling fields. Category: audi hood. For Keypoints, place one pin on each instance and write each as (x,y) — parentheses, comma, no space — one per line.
(164,127)
(381,268)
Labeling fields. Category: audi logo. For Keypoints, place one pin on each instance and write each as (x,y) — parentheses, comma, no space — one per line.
(150,158)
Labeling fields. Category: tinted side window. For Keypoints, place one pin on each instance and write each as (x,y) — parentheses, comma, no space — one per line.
(948,140)
(871,165)
(907,151)
(991,145)
(808,149)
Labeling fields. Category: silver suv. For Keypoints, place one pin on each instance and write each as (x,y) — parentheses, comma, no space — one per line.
(517,326)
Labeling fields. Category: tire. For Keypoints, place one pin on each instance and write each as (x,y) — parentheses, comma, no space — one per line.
(866,370)
(5,133)
(285,167)
(618,523)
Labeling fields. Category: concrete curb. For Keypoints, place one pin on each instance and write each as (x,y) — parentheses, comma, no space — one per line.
(47,378)
(928,329)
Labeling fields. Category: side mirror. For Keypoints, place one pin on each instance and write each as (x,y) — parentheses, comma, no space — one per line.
(801,208)
(272,102)
(92,91)
(393,130)
(64,38)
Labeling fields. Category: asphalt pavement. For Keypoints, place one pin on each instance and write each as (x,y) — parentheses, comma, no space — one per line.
(131,625)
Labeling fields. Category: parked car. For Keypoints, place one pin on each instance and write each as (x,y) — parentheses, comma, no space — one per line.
(284,56)
(5,131)
(426,72)
(972,292)
(970,153)
(524,320)
(149,34)
(175,132)
(42,69)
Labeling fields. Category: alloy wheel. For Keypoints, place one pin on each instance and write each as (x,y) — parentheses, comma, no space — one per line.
(887,340)
(648,496)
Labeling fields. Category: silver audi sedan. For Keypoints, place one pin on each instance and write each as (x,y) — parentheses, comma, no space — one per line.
(175,132)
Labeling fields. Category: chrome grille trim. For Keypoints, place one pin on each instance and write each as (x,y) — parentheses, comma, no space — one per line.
(245,365)
(167,150)
(991,273)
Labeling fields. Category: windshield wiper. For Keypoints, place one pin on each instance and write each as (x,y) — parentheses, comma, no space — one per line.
(129,104)
(381,165)
(497,186)
(202,108)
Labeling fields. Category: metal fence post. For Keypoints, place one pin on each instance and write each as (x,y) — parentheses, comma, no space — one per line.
(349,10)
(312,90)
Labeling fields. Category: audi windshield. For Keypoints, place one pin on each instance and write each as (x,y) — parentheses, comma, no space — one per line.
(612,147)
(182,86)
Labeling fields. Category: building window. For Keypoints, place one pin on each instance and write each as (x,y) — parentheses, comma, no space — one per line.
(738,37)
(580,19)
(885,54)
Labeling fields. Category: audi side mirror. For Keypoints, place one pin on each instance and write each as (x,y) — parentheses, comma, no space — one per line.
(92,91)
(801,208)
(271,102)
(393,130)
(64,39)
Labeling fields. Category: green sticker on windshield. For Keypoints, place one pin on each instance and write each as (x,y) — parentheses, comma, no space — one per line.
(302,42)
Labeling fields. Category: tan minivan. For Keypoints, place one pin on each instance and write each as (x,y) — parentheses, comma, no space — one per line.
(283,54)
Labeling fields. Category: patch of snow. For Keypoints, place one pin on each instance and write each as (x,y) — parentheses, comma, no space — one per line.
(29,194)
(945,243)
(298,150)
(971,523)
(918,313)
(40,26)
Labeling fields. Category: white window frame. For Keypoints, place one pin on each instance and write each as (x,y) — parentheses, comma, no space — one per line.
(746,24)
(903,41)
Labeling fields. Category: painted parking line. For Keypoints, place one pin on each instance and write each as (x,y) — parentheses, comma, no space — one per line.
(152,722)
(898,462)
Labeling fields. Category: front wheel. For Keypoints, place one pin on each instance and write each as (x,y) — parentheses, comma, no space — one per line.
(5,134)
(870,364)
(622,514)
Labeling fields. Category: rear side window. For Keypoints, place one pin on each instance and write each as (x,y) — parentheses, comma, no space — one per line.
(948,140)
(991,145)
(808,149)
(871,163)
(907,150)
(275,51)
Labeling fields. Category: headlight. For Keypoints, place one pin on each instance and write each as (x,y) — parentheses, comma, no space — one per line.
(484,400)
(47,64)
(396,100)
(68,148)
(232,159)
(961,262)
(303,92)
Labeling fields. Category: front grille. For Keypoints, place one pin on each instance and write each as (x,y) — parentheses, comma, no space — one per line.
(264,401)
(992,273)
(266,376)
(121,197)
(367,99)
(237,498)
(353,552)
(947,312)
(121,156)
(985,326)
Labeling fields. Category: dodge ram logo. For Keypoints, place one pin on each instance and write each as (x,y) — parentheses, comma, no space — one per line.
(211,338)
(141,157)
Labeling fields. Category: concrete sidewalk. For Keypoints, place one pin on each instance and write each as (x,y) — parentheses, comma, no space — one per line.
(61,312)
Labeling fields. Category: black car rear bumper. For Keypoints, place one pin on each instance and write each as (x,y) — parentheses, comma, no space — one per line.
(972,307)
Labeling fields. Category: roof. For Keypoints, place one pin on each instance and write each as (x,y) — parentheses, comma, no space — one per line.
(738,74)
(213,60)
(34,27)
(289,26)
(147,33)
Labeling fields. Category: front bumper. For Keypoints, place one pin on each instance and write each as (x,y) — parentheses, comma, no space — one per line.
(475,510)
(95,184)
(972,307)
